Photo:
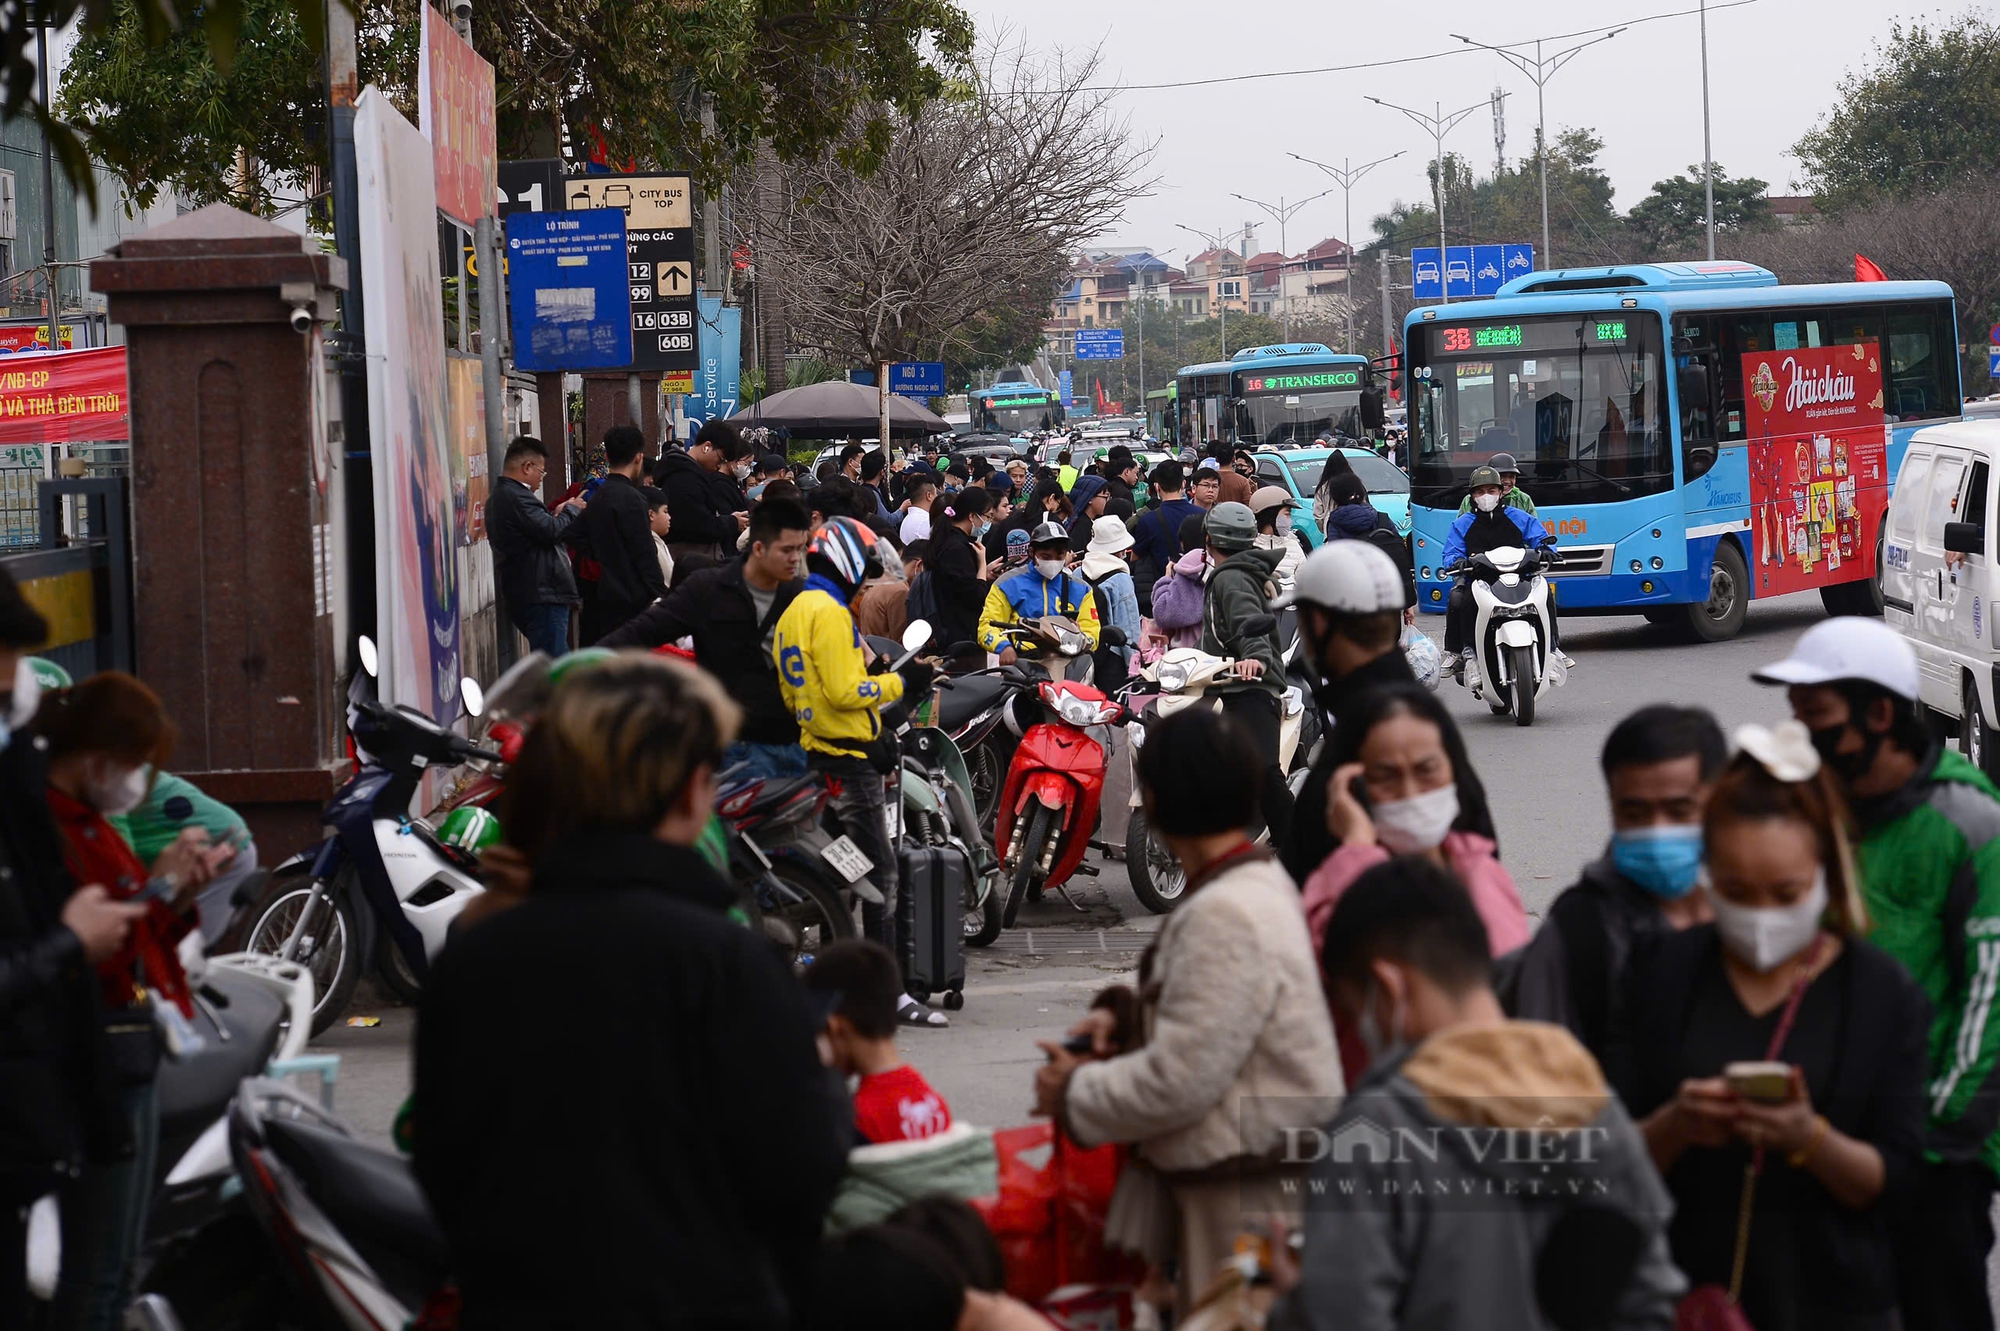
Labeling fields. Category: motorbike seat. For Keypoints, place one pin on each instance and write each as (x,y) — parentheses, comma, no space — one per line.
(968,697)
(779,791)
(370,1194)
(195,1090)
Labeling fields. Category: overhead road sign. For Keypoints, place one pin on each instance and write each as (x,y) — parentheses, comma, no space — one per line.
(1465,272)
(1099,344)
(917,378)
(658,213)
(569,293)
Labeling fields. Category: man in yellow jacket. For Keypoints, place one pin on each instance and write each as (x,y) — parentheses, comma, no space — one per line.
(1046,586)
(824,678)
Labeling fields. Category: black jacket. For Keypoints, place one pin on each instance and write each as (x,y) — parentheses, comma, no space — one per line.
(619,537)
(58,1101)
(622,1120)
(714,608)
(961,593)
(695,500)
(1308,842)
(528,558)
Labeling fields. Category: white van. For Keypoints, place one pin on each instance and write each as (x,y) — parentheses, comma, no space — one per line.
(1941,580)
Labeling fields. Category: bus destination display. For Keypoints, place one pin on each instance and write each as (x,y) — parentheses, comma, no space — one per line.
(1292,383)
(1480,338)
(1535,335)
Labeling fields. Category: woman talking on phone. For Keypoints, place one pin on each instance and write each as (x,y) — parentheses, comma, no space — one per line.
(1775,1062)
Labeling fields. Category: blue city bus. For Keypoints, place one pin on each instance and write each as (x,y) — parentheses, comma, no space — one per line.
(1282,396)
(1695,435)
(1014,407)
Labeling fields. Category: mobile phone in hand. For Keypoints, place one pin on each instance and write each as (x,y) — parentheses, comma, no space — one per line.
(1077,1044)
(1765,1083)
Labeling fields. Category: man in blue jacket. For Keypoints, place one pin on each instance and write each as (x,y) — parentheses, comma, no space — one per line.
(1489,526)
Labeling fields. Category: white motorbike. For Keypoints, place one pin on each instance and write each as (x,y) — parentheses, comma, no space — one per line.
(1512,631)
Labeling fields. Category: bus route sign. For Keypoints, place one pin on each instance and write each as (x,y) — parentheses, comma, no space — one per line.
(1100,344)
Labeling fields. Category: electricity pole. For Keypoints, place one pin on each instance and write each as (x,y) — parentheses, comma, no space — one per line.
(1346,174)
(1283,213)
(1438,124)
(1707,151)
(1539,72)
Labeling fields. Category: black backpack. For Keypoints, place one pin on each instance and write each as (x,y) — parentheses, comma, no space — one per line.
(921,603)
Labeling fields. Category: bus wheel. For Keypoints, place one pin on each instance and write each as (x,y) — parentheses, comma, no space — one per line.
(1720,617)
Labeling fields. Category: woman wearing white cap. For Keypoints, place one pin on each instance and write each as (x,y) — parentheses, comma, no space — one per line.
(1107,567)
(1273,505)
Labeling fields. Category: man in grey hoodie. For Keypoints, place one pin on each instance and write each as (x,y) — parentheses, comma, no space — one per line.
(1482,1175)
(1239,589)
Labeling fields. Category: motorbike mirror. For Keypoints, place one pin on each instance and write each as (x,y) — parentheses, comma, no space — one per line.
(1113,636)
(1258,626)
(916,635)
(474,696)
(370,660)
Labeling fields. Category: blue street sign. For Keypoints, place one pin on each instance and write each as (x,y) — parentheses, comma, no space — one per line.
(917,378)
(1100,344)
(1068,389)
(1427,273)
(1488,263)
(1517,260)
(1458,272)
(1993,364)
(571,291)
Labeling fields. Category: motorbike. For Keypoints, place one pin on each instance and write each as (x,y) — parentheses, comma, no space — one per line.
(938,810)
(1049,804)
(785,867)
(1512,632)
(383,888)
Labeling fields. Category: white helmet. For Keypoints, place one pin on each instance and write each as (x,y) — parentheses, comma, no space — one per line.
(1353,577)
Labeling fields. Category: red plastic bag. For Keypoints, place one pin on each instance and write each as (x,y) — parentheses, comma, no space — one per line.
(1048,1215)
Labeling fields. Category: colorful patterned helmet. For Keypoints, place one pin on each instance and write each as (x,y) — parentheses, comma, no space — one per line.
(50,675)
(846,551)
(470,829)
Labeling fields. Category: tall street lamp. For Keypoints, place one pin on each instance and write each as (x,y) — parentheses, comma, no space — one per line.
(1438,124)
(1539,72)
(1281,212)
(1214,241)
(1347,174)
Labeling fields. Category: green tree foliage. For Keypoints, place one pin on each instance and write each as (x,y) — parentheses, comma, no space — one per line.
(1672,221)
(1583,226)
(1926,115)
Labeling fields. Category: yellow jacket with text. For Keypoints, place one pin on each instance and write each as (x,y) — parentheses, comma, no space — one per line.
(823,673)
(1027,594)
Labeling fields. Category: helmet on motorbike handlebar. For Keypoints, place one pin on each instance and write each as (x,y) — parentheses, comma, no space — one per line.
(846,551)
(1231,526)
(470,829)
(1351,577)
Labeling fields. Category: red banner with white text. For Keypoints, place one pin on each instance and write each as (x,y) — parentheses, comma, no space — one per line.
(64,397)
(1819,476)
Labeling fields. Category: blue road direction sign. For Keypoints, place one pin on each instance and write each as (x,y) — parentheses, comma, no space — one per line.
(1100,344)
(1068,389)
(917,378)
(1465,272)
(571,296)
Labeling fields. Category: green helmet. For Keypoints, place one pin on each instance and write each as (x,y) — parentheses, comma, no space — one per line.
(583,658)
(470,829)
(1484,476)
(48,674)
(1231,526)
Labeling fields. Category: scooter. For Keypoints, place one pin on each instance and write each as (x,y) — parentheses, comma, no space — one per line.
(383,886)
(1049,805)
(1513,665)
(938,810)
(786,868)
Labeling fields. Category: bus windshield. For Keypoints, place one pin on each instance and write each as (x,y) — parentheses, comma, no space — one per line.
(1019,415)
(1575,398)
(1287,419)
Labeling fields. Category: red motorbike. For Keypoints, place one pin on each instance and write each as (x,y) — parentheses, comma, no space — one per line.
(1048,808)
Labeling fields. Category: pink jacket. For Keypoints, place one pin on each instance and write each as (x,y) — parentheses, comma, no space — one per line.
(1486,880)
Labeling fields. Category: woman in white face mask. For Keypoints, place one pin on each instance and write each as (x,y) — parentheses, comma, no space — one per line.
(1403,785)
(1777,1039)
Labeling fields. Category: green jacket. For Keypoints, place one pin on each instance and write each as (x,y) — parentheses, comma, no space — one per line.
(960,1162)
(171,805)
(1238,589)
(1930,869)
(1514,498)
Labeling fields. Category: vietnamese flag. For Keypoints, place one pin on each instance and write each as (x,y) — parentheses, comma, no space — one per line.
(1867,270)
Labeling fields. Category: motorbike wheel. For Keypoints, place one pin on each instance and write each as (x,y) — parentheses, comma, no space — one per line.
(335,960)
(984,921)
(1040,831)
(1158,879)
(1521,663)
(819,916)
(392,968)
(988,770)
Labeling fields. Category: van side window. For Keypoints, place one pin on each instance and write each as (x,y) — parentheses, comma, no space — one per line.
(1946,473)
(1972,508)
(1911,490)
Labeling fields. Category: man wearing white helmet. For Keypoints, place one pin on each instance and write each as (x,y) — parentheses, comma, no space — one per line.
(1350,599)
(1929,857)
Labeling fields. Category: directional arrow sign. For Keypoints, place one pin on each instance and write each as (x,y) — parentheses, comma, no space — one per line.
(657,212)
(676,279)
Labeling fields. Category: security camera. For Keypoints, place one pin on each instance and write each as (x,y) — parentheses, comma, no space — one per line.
(303,297)
(461,11)
(302,319)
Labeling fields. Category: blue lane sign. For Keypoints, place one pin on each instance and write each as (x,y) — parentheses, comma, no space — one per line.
(1068,389)
(1517,260)
(1100,344)
(1458,272)
(1427,273)
(1488,263)
(571,293)
(917,378)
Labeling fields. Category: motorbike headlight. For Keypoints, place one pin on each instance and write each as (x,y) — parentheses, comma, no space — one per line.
(1510,579)
(1173,677)
(1077,711)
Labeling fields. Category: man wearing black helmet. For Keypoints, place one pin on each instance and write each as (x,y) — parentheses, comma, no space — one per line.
(1241,588)
(1045,587)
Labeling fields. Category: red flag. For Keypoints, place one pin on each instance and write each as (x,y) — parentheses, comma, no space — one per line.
(1866,270)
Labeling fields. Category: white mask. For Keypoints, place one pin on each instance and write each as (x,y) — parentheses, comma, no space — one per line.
(1486,503)
(117,789)
(27,694)
(742,471)
(1405,827)
(1763,937)
(1285,523)
(1048,568)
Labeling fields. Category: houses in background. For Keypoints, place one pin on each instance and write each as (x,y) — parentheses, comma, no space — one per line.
(1103,284)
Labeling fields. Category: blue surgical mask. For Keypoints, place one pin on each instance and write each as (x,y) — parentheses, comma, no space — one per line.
(979,530)
(1665,861)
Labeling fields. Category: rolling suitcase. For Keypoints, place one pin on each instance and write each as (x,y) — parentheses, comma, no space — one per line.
(935,878)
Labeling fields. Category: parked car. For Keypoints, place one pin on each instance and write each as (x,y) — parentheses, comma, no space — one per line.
(1298,470)
(1937,575)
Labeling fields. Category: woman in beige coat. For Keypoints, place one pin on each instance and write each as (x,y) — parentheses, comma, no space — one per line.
(1226,1043)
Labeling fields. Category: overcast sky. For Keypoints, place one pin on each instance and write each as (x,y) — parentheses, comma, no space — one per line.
(1773,67)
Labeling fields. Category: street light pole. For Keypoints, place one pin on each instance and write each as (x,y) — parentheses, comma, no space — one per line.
(1214,242)
(1347,174)
(1707,152)
(1539,72)
(1283,213)
(1439,124)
